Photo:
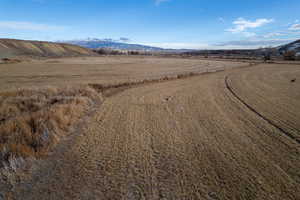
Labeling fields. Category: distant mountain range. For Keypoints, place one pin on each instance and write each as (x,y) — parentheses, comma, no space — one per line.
(93,43)
(112,44)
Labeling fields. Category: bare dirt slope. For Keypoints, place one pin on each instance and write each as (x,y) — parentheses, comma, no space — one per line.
(195,138)
(11,48)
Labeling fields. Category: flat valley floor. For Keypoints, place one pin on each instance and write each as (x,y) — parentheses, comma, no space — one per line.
(232,134)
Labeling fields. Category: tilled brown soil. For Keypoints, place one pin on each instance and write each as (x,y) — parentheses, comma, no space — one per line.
(228,135)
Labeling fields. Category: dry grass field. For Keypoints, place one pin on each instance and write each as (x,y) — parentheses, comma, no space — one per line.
(233,134)
(101,70)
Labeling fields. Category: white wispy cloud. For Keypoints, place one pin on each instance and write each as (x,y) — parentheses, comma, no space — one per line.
(253,44)
(249,34)
(273,35)
(158,2)
(22,25)
(242,25)
(179,45)
(295,27)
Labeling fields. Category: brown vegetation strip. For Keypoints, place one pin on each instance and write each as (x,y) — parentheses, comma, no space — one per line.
(110,90)
(259,114)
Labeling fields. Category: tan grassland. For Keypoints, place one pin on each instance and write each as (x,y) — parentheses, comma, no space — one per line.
(102,70)
(233,134)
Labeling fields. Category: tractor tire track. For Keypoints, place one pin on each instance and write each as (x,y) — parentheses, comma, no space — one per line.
(259,114)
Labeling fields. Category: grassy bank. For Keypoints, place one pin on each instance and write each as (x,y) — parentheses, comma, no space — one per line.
(34,120)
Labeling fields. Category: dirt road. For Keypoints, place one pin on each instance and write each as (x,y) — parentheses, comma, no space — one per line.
(186,139)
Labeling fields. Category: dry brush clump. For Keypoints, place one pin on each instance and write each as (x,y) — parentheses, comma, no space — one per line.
(10,61)
(111,89)
(103,88)
(289,55)
(33,120)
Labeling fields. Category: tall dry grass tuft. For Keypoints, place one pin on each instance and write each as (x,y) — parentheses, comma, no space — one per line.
(32,121)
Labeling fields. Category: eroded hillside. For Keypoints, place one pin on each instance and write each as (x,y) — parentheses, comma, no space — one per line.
(11,48)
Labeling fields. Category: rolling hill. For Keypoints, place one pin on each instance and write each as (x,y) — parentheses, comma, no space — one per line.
(294,46)
(12,48)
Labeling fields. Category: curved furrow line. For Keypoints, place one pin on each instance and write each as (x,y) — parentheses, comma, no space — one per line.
(259,114)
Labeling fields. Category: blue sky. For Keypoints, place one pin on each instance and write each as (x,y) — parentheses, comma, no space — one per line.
(203,24)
